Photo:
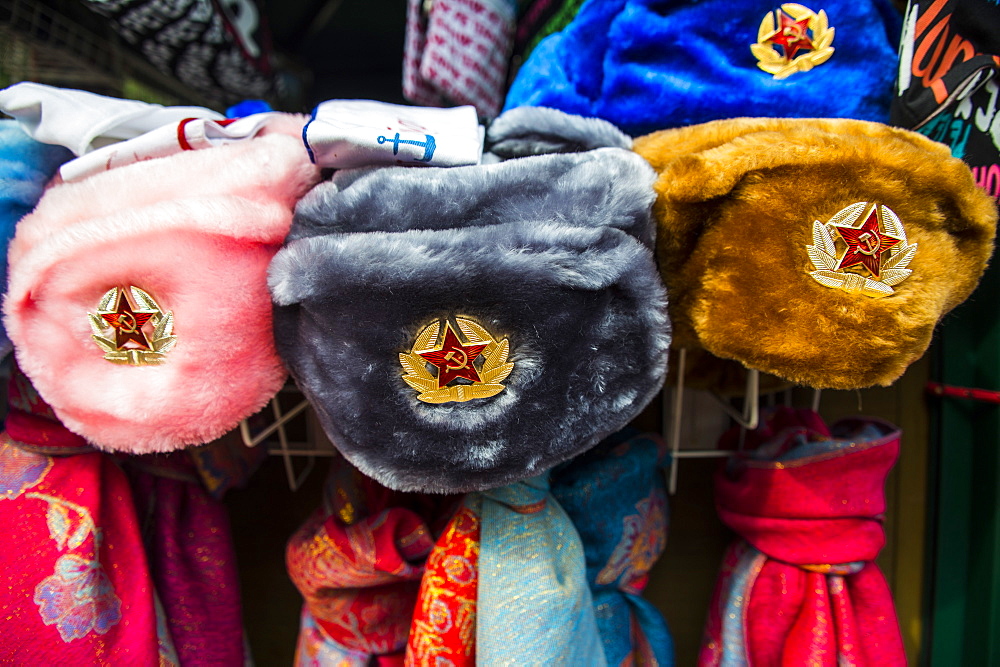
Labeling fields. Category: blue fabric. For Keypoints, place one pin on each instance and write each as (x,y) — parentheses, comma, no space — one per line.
(26,166)
(647,65)
(248,108)
(533,605)
(616,497)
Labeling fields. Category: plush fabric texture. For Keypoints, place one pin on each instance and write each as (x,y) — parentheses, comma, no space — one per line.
(26,166)
(196,231)
(539,130)
(647,65)
(736,205)
(551,252)
(800,586)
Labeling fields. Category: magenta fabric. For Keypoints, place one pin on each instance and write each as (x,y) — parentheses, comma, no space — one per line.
(799,586)
(75,587)
(191,556)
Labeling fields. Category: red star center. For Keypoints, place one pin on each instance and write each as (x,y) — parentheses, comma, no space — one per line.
(866,245)
(791,35)
(454,360)
(127,322)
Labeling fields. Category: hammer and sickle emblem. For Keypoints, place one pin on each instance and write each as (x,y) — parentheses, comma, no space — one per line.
(793,31)
(451,359)
(126,322)
(871,243)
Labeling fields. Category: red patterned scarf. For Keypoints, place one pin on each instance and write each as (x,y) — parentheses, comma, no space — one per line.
(358,562)
(76,588)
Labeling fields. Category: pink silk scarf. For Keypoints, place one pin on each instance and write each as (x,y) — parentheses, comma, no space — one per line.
(191,557)
(800,585)
(75,588)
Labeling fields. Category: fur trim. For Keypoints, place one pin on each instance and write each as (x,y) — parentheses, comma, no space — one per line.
(537,130)
(196,231)
(534,250)
(736,204)
(598,188)
(645,65)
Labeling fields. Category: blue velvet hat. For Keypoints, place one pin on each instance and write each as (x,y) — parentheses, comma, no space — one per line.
(26,166)
(647,65)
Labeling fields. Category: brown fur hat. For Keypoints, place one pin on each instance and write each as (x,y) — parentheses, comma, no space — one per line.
(762,270)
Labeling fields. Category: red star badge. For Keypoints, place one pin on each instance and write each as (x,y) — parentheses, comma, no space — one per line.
(127,322)
(791,35)
(454,360)
(866,245)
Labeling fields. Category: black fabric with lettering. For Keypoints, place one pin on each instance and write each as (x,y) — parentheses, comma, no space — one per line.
(949,81)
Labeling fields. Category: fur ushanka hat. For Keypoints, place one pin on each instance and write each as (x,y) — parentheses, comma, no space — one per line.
(463,328)
(138,301)
(647,65)
(821,251)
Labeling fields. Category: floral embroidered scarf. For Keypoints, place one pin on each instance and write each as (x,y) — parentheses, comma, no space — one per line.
(75,587)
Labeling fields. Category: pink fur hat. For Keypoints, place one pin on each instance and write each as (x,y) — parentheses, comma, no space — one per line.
(138,301)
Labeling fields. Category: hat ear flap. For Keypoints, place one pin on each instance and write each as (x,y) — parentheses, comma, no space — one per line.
(539,130)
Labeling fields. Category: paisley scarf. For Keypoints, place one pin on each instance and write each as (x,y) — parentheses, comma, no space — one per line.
(506,584)
(616,497)
(192,558)
(358,562)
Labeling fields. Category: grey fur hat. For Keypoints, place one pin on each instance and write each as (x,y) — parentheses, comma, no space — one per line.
(459,329)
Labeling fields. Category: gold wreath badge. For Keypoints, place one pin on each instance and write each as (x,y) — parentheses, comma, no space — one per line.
(789,28)
(454,360)
(128,323)
(870,253)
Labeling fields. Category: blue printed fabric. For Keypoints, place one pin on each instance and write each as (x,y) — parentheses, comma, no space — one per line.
(616,497)
(533,605)
(26,166)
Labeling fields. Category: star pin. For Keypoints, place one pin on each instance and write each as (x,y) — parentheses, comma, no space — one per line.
(127,321)
(454,360)
(792,39)
(439,347)
(132,344)
(862,249)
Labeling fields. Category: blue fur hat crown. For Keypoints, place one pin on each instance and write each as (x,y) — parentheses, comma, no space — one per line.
(647,65)
(463,328)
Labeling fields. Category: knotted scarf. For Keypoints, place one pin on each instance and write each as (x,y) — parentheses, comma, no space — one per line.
(616,497)
(75,587)
(506,585)
(800,585)
(357,562)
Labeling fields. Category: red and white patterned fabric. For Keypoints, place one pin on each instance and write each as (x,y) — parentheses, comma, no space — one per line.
(458,53)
